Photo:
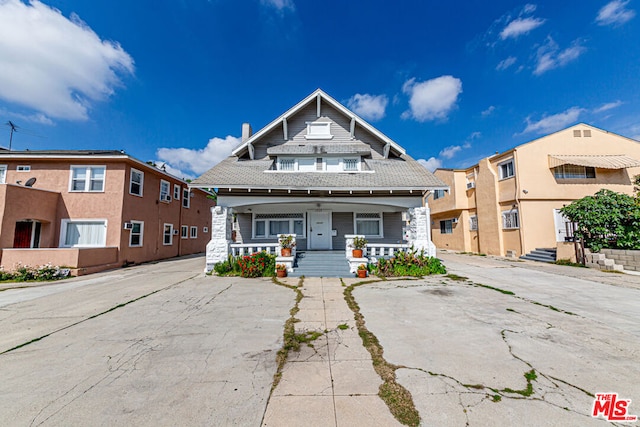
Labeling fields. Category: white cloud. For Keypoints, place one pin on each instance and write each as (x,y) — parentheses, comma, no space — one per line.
(506,63)
(489,111)
(187,161)
(520,26)
(450,151)
(615,13)
(432,99)
(608,106)
(431,164)
(549,55)
(529,8)
(280,5)
(555,122)
(54,65)
(369,107)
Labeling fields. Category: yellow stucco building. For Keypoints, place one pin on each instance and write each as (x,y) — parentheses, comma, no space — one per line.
(507,204)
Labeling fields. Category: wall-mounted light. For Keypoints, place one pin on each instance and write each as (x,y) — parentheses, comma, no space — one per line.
(525,191)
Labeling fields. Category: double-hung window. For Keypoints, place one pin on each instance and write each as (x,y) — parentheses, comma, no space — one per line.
(270,225)
(87,178)
(510,219)
(438,194)
(136,182)
(184,232)
(186,198)
(167,234)
(368,224)
(135,235)
(176,191)
(506,169)
(83,233)
(194,232)
(164,191)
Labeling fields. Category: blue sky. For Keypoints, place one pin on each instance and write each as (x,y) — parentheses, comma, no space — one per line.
(173,80)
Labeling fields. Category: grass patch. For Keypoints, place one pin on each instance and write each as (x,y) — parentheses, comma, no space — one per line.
(496,398)
(397,398)
(456,277)
(343,326)
(528,391)
(502,291)
(569,263)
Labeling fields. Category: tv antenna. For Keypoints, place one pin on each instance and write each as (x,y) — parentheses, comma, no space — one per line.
(14,128)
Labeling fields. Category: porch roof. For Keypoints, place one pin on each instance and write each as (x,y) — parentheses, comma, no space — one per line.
(381,174)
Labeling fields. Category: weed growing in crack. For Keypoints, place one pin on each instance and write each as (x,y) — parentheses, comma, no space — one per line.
(512,310)
(496,398)
(395,396)
(529,376)
(343,326)
(456,277)
(502,291)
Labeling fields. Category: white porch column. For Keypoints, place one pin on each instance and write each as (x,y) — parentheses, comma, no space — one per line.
(419,230)
(218,246)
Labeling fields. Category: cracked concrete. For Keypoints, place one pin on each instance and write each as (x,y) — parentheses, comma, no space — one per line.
(462,347)
(188,351)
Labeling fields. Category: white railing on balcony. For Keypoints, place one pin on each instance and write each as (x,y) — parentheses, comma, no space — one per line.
(241,249)
(379,250)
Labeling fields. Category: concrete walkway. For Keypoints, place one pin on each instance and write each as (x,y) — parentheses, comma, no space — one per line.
(331,382)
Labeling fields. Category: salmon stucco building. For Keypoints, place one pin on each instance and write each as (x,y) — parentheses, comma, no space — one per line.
(94,210)
(508,204)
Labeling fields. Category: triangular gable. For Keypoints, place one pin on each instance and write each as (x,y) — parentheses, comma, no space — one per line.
(318,95)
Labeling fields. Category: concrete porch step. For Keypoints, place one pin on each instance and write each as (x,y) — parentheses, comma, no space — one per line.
(321,264)
(541,255)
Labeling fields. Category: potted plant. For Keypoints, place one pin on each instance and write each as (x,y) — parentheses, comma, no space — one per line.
(358,245)
(362,271)
(281,270)
(286,243)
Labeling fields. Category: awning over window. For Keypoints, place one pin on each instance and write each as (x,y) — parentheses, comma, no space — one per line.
(601,161)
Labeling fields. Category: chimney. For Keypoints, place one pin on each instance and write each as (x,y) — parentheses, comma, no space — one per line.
(246,131)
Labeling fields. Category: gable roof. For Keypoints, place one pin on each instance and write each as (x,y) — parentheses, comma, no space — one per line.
(314,96)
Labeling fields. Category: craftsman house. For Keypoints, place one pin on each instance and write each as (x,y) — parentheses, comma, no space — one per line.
(94,210)
(324,174)
(509,204)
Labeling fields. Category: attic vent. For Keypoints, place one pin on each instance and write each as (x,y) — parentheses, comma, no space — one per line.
(576,133)
(586,133)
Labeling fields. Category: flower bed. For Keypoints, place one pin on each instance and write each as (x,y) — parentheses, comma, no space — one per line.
(411,263)
(25,273)
(259,264)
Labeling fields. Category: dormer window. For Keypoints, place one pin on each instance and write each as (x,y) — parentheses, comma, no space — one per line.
(318,130)
(287,164)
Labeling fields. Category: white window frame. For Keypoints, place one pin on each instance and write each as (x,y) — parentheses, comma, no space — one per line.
(176,192)
(23,168)
(89,178)
(449,229)
(292,164)
(193,232)
(473,223)
(503,165)
(508,219)
(164,234)
(141,234)
(380,226)
(276,218)
(318,130)
(63,232)
(3,174)
(184,232)
(141,183)
(347,160)
(186,198)
(166,193)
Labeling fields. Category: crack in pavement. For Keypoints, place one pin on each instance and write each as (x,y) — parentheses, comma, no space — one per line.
(95,315)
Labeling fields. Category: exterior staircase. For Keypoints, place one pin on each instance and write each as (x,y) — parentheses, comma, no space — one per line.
(541,255)
(321,264)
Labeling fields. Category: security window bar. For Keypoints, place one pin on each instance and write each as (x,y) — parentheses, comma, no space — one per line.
(510,220)
(574,172)
(473,223)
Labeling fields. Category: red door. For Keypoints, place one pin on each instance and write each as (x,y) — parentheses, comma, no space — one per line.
(22,237)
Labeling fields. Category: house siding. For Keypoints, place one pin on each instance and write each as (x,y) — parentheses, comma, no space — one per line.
(343,223)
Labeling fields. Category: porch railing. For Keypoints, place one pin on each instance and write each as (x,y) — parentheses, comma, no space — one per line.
(241,249)
(379,250)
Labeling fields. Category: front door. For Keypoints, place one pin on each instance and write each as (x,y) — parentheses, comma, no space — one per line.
(320,230)
(560,222)
(22,236)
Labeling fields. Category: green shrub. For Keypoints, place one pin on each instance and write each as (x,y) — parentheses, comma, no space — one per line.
(411,263)
(25,273)
(259,264)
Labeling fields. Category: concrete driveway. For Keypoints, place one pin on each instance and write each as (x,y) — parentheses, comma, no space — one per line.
(151,345)
(464,346)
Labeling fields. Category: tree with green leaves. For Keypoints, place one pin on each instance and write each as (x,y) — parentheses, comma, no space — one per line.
(606,220)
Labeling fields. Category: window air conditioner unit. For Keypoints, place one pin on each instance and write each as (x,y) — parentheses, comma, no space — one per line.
(128,226)
(165,198)
(471,185)
(454,220)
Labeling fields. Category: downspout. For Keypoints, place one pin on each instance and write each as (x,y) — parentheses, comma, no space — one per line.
(180,224)
(517,198)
